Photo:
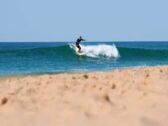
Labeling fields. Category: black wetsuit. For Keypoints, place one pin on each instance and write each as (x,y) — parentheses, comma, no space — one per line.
(78,42)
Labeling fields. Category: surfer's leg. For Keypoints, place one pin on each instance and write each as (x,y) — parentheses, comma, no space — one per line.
(79,48)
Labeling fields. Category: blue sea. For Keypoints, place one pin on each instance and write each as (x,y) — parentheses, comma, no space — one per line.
(22,58)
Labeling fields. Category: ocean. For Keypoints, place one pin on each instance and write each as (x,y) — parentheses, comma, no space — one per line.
(22,58)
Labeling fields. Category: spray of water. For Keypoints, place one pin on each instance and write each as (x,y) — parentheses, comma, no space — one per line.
(99,50)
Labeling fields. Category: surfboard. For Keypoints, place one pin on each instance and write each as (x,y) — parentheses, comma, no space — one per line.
(80,53)
(76,50)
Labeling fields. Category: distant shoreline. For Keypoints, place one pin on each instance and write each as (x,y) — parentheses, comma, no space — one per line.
(80,72)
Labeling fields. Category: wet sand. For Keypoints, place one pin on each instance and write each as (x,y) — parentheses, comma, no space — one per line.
(127,97)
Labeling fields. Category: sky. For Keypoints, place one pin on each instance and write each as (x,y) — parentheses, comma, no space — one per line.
(95,20)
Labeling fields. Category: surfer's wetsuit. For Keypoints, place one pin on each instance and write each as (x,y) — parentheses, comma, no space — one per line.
(78,43)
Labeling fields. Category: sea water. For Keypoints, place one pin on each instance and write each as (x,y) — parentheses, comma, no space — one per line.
(17,58)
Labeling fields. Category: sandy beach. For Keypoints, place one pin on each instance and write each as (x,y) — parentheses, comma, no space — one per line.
(126,97)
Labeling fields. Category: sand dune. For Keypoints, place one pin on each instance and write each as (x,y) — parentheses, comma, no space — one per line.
(128,97)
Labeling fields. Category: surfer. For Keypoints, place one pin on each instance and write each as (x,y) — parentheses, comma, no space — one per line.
(78,43)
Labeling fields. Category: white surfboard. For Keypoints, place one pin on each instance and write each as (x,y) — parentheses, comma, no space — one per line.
(76,50)
(80,53)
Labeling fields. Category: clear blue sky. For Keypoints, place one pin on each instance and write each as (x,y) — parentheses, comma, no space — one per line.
(101,20)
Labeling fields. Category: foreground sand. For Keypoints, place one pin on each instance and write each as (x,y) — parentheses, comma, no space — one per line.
(129,97)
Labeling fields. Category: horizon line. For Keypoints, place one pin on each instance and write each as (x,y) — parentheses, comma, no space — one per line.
(93,41)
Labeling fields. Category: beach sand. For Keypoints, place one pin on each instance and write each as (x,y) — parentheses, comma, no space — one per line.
(126,97)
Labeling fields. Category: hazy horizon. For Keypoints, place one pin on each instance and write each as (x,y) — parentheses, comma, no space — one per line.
(75,41)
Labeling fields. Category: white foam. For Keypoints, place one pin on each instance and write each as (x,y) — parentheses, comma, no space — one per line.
(99,50)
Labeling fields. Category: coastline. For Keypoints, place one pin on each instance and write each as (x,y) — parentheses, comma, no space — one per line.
(76,72)
(122,97)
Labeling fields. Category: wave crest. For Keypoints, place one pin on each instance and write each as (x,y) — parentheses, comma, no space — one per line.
(99,50)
